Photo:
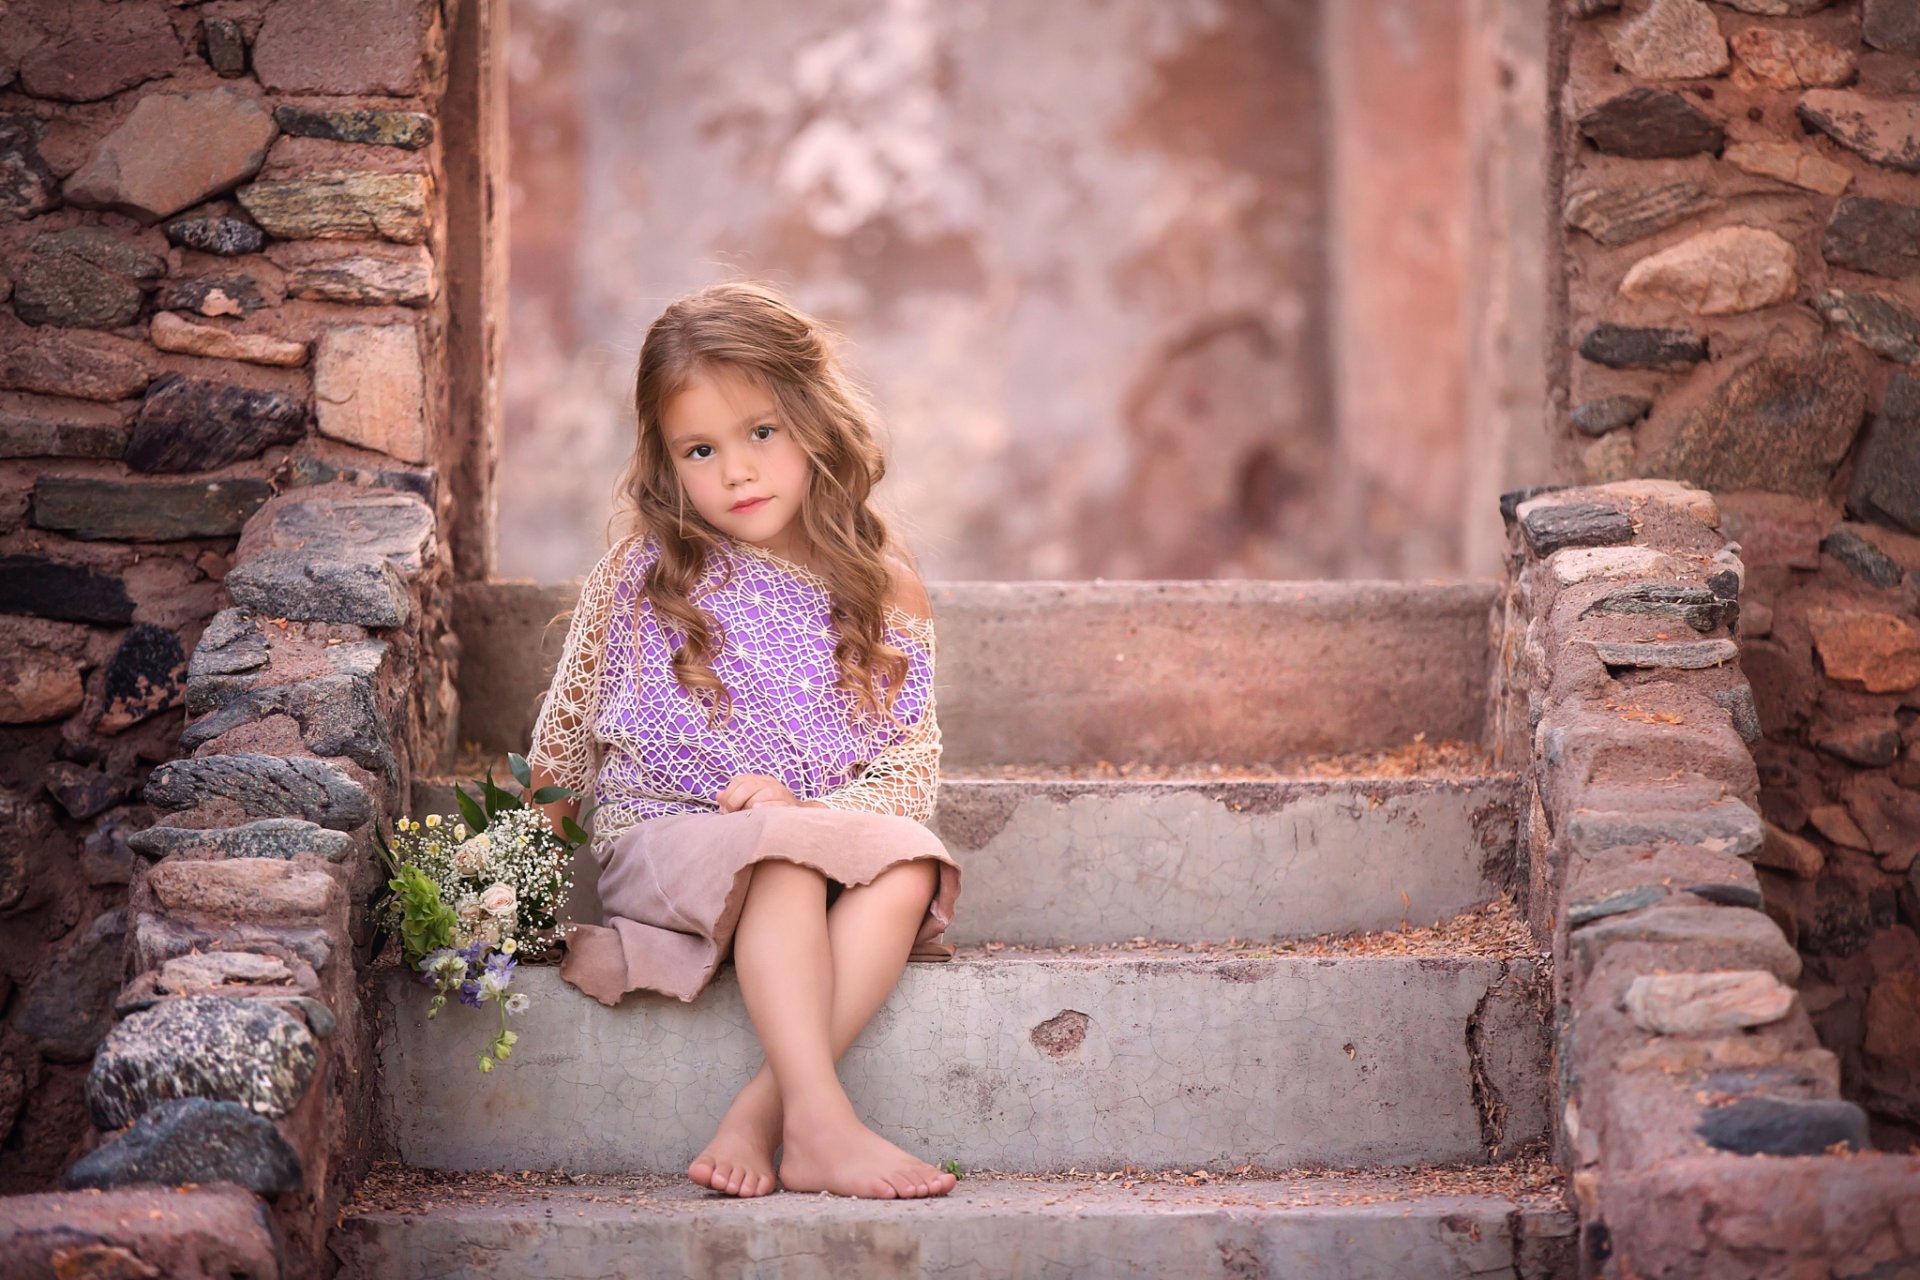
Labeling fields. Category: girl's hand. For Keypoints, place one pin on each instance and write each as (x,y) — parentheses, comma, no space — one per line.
(749,789)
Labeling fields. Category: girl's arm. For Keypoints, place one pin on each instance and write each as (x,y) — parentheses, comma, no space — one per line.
(563,748)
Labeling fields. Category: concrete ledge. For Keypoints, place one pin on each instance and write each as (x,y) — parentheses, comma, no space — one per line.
(1074,672)
(1049,863)
(1025,1061)
(985,1227)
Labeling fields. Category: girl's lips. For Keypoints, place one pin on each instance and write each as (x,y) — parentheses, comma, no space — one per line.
(748,506)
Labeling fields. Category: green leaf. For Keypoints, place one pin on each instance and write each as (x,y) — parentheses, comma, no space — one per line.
(472,812)
(498,801)
(547,795)
(522,771)
(572,830)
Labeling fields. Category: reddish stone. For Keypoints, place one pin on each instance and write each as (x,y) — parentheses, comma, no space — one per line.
(300,48)
(1889,816)
(1836,824)
(87,366)
(85,50)
(174,151)
(1879,651)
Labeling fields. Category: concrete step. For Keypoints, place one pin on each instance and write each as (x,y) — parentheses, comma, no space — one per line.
(1074,672)
(1344,1228)
(1014,1061)
(1049,862)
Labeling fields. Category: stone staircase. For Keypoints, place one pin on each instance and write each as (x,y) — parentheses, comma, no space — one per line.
(1165,1047)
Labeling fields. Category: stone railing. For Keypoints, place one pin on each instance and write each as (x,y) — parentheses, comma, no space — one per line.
(242,1061)
(1700,1117)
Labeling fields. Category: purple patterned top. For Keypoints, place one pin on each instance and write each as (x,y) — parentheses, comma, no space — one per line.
(646,748)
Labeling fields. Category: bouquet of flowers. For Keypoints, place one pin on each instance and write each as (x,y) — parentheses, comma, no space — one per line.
(473,894)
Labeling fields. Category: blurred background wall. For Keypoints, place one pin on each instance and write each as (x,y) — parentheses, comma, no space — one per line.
(1144,288)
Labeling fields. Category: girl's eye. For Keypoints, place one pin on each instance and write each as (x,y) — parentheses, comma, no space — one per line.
(765,426)
(690,452)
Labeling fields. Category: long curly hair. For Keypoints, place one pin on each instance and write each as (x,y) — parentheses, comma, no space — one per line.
(748,329)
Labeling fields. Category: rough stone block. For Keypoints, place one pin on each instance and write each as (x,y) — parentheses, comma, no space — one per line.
(1694,936)
(369,388)
(201,1047)
(193,1140)
(244,888)
(173,152)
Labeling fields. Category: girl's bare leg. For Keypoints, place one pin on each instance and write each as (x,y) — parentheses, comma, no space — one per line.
(870,931)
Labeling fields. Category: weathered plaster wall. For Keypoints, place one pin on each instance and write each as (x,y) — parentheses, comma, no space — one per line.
(1741,205)
(1146,290)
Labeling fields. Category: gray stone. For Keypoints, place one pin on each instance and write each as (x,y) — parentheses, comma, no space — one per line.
(68,1008)
(47,588)
(263,786)
(226,46)
(1880,324)
(1598,417)
(1885,131)
(149,511)
(106,858)
(1781,423)
(1728,826)
(1670,40)
(51,427)
(205,1046)
(1621,215)
(286,838)
(1867,562)
(408,130)
(1730,895)
(230,657)
(193,1140)
(1651,123)
(1681,655)
(83,277)
(1586,910)
(379,275)
(355,206)
(1672,1004)
(197,424)
(304,470)
(1667,350)
(228,237)
(1784,1126)
(313,588)
(1886,474)
(1893,25)
(1880,237)
(320,1019)
(1740,707)
(338,715)
(158,939)
(1698,607)
(1725,937)
(144,677)
(216,295)
(27,187)
(1575,524)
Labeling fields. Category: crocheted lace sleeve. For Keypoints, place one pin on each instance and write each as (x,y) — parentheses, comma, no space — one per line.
(563,741)
(903,778)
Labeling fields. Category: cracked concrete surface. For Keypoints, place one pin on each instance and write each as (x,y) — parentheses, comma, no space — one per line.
(1021,1231)
(1279,1061)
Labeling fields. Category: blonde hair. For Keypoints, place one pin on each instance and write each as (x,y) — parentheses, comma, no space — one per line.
(749,330)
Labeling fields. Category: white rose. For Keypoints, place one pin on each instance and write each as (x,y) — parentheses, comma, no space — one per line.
(471,857)
(468,909)
(488,931)
(500,899)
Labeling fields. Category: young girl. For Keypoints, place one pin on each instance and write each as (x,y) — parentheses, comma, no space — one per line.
(747,687)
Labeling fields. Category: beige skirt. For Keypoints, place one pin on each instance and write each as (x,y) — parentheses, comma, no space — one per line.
(672,889)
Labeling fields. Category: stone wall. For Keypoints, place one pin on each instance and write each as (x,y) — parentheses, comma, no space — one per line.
(1700,1117)
(226,336)
(1741,205)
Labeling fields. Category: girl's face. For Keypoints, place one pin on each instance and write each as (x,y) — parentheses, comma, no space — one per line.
(729,446)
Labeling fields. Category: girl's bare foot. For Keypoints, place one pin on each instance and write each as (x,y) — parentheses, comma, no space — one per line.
(739,1160)
(847,1158)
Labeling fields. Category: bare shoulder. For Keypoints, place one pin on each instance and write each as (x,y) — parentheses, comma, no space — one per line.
(908,593)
